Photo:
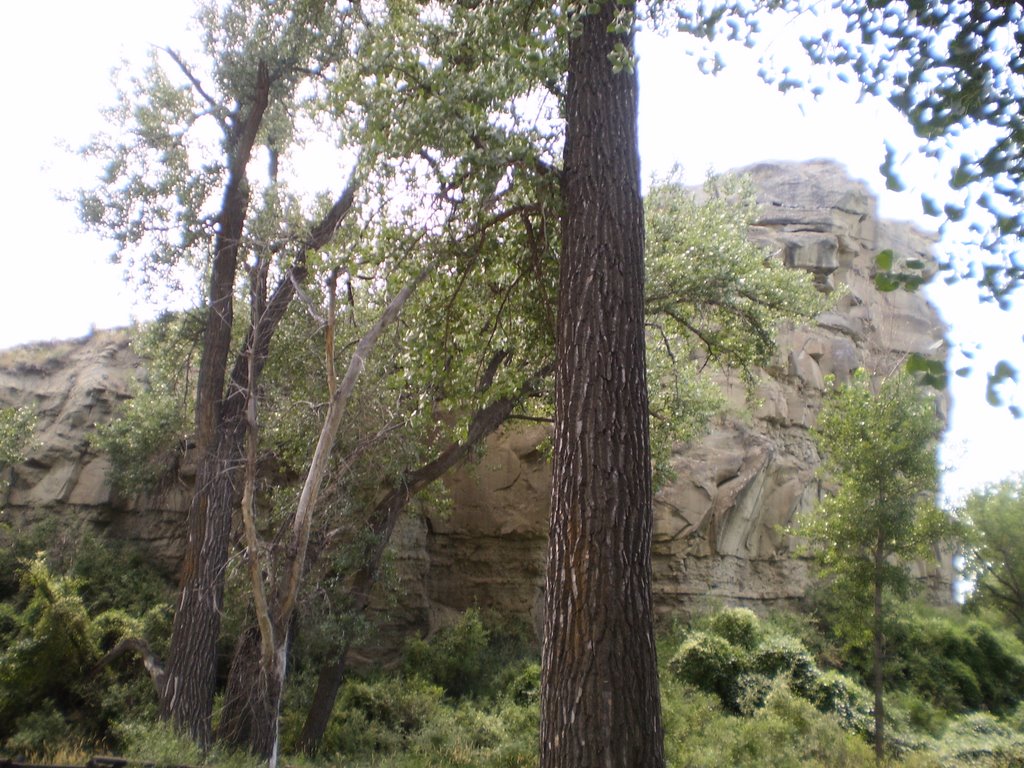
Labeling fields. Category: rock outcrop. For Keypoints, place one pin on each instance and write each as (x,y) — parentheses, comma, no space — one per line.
(719,530)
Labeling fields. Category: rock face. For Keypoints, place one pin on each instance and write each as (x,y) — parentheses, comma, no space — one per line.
(72,386)
(718,525)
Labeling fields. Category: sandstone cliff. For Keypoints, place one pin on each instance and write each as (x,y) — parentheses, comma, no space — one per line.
(718,525)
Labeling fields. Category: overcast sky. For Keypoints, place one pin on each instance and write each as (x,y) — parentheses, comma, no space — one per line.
(56,283)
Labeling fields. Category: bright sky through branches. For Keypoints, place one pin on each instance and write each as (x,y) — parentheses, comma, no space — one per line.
(56,58)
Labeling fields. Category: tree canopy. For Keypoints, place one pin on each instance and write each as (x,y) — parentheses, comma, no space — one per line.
(879,512)
(995,552)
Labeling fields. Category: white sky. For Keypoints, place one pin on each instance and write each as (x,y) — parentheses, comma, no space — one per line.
(56,59)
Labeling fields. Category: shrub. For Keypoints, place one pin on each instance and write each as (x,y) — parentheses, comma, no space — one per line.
(400,704)
(39,732)
(456,658)
(836,694)
(713,664)
(144,441)
(980,739)
(781,655)
(523,686)
(156,743)
(740,626)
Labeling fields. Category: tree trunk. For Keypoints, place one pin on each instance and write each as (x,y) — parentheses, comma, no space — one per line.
(191,670)
(382,522)
(252,698)
(190,679)
(256,682)
(878,654)
(191,662)
(599,687)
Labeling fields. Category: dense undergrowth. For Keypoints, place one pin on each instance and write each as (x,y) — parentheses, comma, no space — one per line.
(737,689)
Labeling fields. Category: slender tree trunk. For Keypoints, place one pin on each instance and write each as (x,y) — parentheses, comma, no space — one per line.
(191,670)
(599,687)
(191,662)
(878,653)
(382,522)
(257,686)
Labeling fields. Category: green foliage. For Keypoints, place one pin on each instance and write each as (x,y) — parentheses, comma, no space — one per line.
(39,732)
(711,663)
(48,648)
(708,283)
(711,295)
(70,608)
(740,626)
(144,441)
(954,70)
(16,427)
(780,655)
(995,553)
(785,731)
(957,664)
(879,456)
(980,740)
(465,658)
(156,743)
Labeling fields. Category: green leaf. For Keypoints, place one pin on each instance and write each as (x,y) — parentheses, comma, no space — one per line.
(884,260)
(1004,371)
(885,283)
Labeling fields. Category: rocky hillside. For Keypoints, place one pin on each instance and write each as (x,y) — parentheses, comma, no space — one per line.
(718,525)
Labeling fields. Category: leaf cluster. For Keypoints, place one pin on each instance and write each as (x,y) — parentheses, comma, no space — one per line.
(879,461)
(951,68)
(16,429)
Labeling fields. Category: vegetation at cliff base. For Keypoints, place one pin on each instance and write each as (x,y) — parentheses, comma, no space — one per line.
(737,688)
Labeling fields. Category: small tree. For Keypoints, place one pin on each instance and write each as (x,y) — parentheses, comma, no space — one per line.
(878,447)
(995,557)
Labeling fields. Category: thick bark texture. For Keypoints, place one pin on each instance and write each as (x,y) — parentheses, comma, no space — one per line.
(599,687)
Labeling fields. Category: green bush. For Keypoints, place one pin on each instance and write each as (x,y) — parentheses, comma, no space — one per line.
(785,656)
(156,743)
(959,665)
(457,657)
(144,441)
(398,704)
(740,626)
(523,683)
(50,648)
(980,739)
(836,694)
(713,664)
(50,644)
(39,732)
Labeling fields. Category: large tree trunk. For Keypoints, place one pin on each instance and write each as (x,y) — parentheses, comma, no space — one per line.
(599,687)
